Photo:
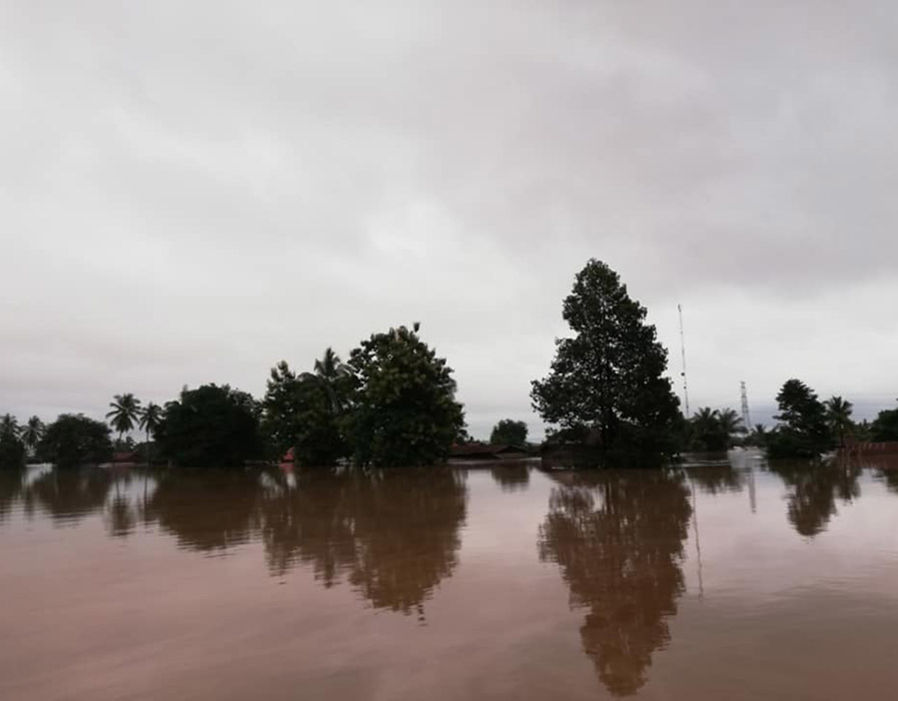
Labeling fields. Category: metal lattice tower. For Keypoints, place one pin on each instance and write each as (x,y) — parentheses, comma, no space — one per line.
(746,417)
(683,354)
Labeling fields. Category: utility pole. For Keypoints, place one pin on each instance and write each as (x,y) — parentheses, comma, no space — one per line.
(683,354)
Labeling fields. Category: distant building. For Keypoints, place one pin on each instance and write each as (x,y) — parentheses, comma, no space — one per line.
(486,451)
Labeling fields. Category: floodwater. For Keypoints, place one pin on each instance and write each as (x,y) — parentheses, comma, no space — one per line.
(737,581)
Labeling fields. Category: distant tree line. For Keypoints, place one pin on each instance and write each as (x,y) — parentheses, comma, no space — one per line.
(392,402)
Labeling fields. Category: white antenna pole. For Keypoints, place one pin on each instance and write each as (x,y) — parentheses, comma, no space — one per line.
(683,354)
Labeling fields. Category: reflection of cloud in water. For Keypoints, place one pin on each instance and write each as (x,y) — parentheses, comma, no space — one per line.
(618,540)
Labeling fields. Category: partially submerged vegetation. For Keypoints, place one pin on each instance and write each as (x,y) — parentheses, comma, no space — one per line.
(606,399)
(606,390)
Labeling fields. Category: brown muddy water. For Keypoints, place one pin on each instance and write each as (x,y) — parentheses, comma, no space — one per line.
(712,582)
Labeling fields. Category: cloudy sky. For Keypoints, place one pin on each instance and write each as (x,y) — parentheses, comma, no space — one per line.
(192,191)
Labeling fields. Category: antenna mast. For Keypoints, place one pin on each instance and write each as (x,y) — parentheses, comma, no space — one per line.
(683,354)
(746,418)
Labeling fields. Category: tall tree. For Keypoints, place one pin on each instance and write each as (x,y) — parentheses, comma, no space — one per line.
(332,374)
(304,412)
(9,425)
(125,413)
(403,408)
(802,429)
(608,379)
(509,432)
(838,417)
(32,433)
(12,448)
(150,420)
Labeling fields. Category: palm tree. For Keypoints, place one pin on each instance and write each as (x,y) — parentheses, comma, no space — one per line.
(759,435)
(713,429)
(730,422)
(330,371)
(32,433)
(838,417)
(125,413)
(150,419)
(9,427)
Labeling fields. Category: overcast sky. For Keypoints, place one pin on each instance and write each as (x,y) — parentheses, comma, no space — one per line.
(192,191)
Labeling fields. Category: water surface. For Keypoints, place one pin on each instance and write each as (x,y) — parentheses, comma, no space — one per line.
(736,581)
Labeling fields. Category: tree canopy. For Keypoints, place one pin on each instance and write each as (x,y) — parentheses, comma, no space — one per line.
(510,432)
(885,426)
(74,439)
(403,409)
(713,430)
(607,381)
(802,430)
(32,432)
(124,414)
(305,412)
(838,417)
(12,447)
(211,426)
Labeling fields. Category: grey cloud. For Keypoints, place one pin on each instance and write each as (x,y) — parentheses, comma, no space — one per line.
(191,192)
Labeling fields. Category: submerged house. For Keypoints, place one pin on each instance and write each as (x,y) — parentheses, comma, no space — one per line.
(486,451)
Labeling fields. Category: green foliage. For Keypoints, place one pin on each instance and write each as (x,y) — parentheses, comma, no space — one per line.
(757,436)
(125,413)
(403,407)
(838,417)
(150,421)
(509,432)
(210,426)
(802,431)
(863,431)
(607,381)
(74,439)
(32,432)
(12,447)
(304,412)
(885,426)
(713,431)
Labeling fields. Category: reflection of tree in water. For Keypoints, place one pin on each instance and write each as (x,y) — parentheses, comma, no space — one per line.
(206,509)
(122,516)
(72,494)
(716,480)
(885,467)
(618,539)
(394,534)
(890,477)
(813,488)
(307,522)
(511,475)
(12,484)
